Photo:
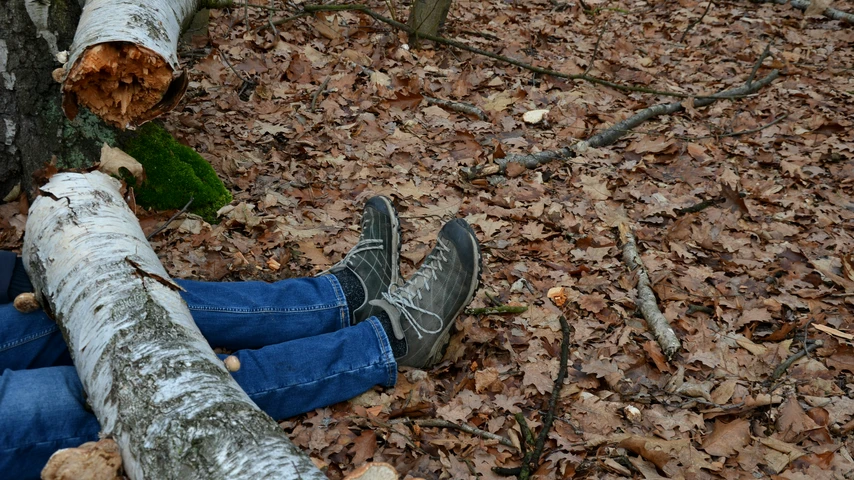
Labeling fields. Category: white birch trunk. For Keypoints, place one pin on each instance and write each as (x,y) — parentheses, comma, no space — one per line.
(151,378)
(153,24)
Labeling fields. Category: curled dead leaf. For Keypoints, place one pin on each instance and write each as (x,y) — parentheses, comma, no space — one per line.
(114,159)
(557,295)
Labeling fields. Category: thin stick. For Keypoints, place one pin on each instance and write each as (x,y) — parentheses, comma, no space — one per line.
(317,94)
(647,304)
(436,422)
(693,24)
(781,369)
(173,217)
(758,63)
(596,48)
(457,106)
(496,310)
(550,416)
(611,134)
(740,132)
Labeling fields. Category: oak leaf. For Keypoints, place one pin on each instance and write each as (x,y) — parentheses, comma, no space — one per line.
(727,439)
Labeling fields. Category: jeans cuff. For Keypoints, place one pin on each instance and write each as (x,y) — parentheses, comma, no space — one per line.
(385,351)
(340,298)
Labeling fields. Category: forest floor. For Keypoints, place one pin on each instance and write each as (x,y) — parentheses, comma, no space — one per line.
(743,211)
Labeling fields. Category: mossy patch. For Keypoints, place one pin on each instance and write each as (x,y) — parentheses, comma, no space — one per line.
(174,173)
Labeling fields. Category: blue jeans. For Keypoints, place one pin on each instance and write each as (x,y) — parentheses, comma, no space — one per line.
(296,347)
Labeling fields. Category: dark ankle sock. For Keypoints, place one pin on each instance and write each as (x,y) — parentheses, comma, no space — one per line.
(398,347)
(354,292)
(20,282)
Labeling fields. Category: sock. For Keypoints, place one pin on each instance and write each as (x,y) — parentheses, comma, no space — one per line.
(398,347)
(354,292)
(20,282)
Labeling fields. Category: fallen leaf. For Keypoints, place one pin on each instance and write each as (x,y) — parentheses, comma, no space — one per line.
(113,160)
(727,439)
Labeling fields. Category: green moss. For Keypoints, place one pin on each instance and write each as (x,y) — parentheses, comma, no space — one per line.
(174,173)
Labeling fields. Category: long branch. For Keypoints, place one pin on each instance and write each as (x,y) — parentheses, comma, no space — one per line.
(462,46)
(829,12)
(612,133)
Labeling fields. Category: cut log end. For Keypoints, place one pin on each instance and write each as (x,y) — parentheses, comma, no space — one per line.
(119,82)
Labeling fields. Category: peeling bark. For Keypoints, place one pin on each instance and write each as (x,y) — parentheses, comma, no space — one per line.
(151,378)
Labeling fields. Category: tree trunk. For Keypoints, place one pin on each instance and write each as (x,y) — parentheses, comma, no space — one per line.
(123,64)
(151,378)
(427,16)
(32,127)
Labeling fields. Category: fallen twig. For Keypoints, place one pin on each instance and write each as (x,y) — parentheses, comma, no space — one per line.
(596,48)
(436,422)
(647,304)
(317,93)
(611,134)
(738,133)
(694,23)
(497,309)
(781,369)
(457,107)
(173,217)
(829,12)
(531,460)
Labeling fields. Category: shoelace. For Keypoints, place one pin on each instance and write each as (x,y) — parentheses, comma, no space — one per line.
(403,298)
(364,245)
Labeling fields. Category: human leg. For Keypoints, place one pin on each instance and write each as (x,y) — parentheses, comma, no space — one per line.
(43,410)
(232,315)
(293,377)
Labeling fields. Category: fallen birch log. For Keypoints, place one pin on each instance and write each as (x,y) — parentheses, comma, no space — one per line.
(646,302)
(123,62)
(155,385)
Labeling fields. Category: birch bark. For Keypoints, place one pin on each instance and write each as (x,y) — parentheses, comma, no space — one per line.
(151,379)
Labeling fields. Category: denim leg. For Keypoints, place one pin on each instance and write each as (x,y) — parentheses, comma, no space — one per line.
(294,377)
(238,315)
(30,340)
(43,410)
(234,315)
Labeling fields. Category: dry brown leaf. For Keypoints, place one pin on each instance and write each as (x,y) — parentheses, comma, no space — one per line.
(727,439)
(669,456)
(364,446)
(793,421)
(113,160)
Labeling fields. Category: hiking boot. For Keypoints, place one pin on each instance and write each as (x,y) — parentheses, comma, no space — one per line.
(423,310)
(375,259)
